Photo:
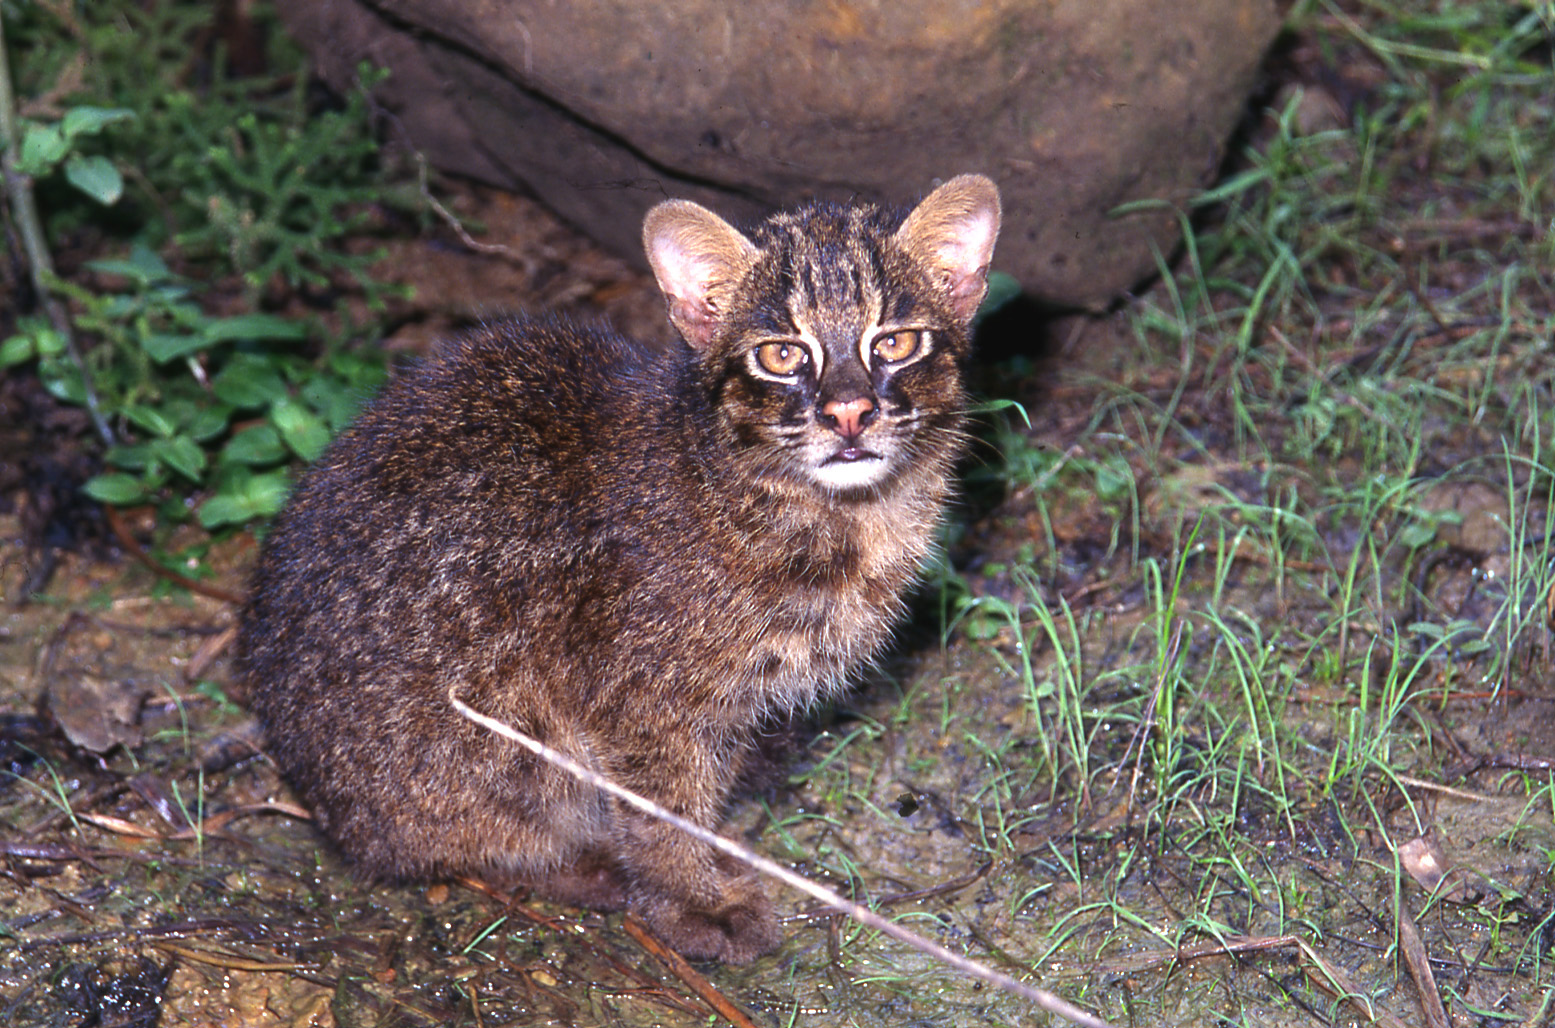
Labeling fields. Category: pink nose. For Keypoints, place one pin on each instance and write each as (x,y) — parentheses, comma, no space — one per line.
(850,415)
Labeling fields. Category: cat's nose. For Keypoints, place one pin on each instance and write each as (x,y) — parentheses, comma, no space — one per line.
(849,417)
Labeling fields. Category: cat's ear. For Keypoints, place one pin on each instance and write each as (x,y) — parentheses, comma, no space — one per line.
(699,260)
(951,233)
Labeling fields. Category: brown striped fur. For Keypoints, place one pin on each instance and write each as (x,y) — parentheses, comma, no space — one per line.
(637,558)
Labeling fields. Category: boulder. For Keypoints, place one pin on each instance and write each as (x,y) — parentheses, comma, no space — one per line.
(602,108)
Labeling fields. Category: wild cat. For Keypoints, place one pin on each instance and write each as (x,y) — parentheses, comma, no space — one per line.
(635,557)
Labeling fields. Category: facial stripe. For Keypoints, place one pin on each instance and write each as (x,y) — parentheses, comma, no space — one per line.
(807,335)
(866,343)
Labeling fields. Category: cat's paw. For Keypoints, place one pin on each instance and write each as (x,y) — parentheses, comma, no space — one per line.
(739,930)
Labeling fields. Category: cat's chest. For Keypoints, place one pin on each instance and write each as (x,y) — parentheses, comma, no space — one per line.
(830,603)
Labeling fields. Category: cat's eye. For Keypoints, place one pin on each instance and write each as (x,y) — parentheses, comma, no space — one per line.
(781,358)
(898,346)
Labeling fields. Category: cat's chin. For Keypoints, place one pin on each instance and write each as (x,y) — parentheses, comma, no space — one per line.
(863,472)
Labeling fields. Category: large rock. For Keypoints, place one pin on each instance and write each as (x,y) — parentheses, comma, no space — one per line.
(604,107)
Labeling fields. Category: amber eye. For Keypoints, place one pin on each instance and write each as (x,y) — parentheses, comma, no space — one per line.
(898,346)
(781,358)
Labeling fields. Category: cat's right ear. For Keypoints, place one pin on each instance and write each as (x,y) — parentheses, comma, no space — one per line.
(699,260)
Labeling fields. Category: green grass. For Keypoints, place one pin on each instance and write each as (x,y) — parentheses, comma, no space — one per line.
(1315,512)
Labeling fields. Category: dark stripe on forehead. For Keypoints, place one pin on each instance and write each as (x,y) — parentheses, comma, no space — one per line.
(784,270)
(898,307)
(827,260)
(771,320)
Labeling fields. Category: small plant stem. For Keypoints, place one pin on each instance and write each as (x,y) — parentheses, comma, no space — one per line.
(18,189)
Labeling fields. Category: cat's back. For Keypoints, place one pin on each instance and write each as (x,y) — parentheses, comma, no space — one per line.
(516,427)
(521,403)
(501,459)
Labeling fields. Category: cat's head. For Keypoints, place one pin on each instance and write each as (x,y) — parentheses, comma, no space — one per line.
(831,336)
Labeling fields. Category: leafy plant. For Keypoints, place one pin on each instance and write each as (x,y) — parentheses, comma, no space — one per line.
(47,145)
(252,177)
(181,383)
(280,191)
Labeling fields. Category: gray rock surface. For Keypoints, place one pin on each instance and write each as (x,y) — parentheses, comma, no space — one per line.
(603,107)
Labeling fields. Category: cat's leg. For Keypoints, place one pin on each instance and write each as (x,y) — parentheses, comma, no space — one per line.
(705,904)
(708,906)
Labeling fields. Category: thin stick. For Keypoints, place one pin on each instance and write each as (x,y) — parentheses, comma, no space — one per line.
(227,961)
(863,915)
(451,220)
(1418,961)
(686,973)
(19,188)
(121,531)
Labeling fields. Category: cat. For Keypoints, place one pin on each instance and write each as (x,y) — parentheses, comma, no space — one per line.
(637,557)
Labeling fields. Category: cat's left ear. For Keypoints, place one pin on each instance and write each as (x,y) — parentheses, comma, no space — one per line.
(699,260)
(952,233)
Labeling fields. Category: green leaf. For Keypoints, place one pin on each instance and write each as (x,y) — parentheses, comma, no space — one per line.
(63,382)
(176,405)
(96,177)
(118,307)
(255,446)
(36,337)
(982,625)
(362,371)
(116,488)
(245,497)
(249,380)
(43,146)
(17,350)
(182,454)
(227,510)
(303,430)
(165,346)
(1113,480)
(999,405)
(135,456)
(208,422)
(151,419)
(254,327)
(142,266)
(336,400)
(86,121)
(1416,534)
(49,342)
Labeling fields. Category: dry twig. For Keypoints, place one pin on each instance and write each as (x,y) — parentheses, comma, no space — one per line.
(121,531)
(1419,964)
(685,972)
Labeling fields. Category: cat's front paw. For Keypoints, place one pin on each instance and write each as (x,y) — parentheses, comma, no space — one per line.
(737,931)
